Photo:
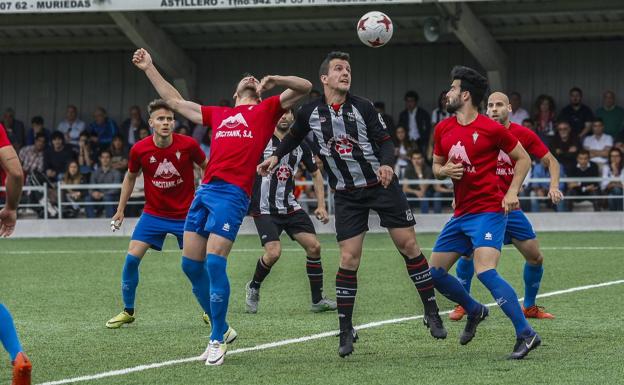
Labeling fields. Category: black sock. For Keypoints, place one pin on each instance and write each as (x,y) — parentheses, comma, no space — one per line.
(129,311)
(262,270)
(314,269)
(418,270)
(346,290)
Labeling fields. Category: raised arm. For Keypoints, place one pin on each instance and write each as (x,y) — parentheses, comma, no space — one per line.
(14,181)
(190,110)
(296,88)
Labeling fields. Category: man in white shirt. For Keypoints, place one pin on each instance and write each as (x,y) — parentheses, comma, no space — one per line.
(518,114)
(599,143)
(71,127)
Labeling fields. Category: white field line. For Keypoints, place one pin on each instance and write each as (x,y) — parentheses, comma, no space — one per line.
(291,341)
(259,250)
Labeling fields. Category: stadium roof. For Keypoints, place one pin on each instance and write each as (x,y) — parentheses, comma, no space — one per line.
(308,27)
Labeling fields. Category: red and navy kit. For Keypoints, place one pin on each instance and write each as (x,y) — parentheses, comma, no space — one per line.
(168,173)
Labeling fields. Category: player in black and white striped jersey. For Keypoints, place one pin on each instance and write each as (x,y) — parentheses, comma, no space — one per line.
(275,209)
(358,156)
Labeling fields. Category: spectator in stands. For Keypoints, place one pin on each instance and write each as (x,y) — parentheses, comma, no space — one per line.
(442,191)
(437,115)
(381,109)
(119,153)
(529,123)
(577,114)
(599,143)
(73,176)
(57,157)
(565,146)
(36,127)
(130,127)
(619,140)
(584,169)
(14,129)
(314,94)
(104,127)
(540,189)
(86,154)
(71,126)
(614,169)
(144,133)
(32,156)
(183,130)
(402,148)
(518,114)
(611,114)
(544,117)
(103,174)
(418,169)
(416,121)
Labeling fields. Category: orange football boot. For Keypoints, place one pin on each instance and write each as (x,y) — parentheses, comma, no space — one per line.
(22,367)
(457,314)
(537,312)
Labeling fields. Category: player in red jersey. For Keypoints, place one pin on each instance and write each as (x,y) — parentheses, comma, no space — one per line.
(11,169)
(466,149)
(166,160)
(519,230)
(239,136)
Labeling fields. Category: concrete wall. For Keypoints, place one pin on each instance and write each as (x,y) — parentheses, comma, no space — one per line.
(36,84)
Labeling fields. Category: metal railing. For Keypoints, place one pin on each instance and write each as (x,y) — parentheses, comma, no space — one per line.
(61,188)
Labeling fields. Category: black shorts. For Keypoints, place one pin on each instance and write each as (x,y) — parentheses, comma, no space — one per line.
(352,208)
(270,226)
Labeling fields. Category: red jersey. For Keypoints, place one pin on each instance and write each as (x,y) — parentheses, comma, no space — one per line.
(239,136)
(168,173)
(4,141)
(476,146)
(531,143)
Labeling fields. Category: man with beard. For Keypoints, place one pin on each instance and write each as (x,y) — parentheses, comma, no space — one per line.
(466,149)
(239,136)
(358,157)
(275,209)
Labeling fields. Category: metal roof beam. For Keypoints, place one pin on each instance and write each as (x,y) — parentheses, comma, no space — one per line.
(479,41)
(166,54)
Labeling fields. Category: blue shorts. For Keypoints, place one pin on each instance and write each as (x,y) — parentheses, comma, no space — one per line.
(218,207)
(470,231)
(518,227)
(153,230)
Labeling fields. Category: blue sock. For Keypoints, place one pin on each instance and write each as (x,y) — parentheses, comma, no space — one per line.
(532,279)
(464,271)
(452,289)
(507,299)
(219,294)
(8,334)
(130,280)
(198,275)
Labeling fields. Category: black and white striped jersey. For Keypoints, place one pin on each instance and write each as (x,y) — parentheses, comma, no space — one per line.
(347,138)
(273,194)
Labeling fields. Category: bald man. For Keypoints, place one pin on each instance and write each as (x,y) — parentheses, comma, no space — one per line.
(519,230)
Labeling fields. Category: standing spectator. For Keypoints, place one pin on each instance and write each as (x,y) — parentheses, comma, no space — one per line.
(614,169)
(119,153)
(104,127)
(611,114)
(599,143)
(416,120)
(380,107)
(14,129)
(86,155)
(71,126)
(584,169)
(540,189)
(130,127)
(565,146)
(518,114)
(73,176)
(36,127)
(544,117)
(32,156)
(57,157)
(577,114)
(104,174)
(402,148)
(437,115)
(418,169)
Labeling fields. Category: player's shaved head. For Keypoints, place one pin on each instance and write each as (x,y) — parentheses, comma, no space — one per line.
(499,108)
(498,96)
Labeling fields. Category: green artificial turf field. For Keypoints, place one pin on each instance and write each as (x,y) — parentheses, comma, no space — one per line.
(61,292)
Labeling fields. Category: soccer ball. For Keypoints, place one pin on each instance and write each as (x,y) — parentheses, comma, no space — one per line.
(375,29)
